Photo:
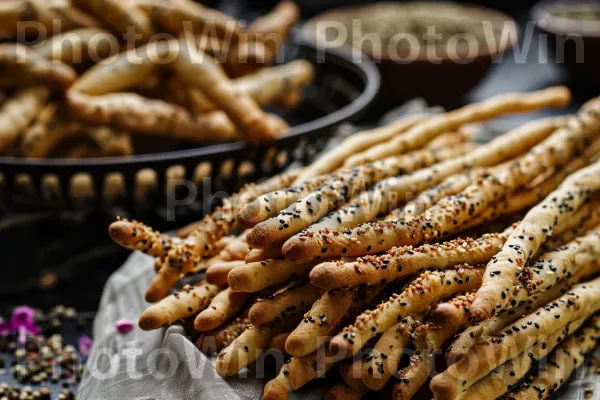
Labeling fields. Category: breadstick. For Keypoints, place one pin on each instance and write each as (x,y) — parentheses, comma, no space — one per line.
(297,372)
(235,250)
(263,254)
(560,263)
(350,372)
(185,16)
(222,307)
(325,316)
(18,112)
(278,342)
(217,273)
(484,330)
(428,339)
(404,261)
(416,297)
(201,241)
(110,142)
(135,235)
(341,391)
(273,28)
(246,58)
(20,66)
(42,136)
(256,276)
(200,70)
(567,357)
(510,373)
(579,302)
(337,187)
(527,238)
(222,337)
(77,46)
(291,300)
(316,205)
(335,158)
(121,16)
(493,107)
(383,360)
(389,192)
(190,301)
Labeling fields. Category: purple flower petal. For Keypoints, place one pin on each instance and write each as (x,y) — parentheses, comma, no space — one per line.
(124,325)
(22,321)
(85,345)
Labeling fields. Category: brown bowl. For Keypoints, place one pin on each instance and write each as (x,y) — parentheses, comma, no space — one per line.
(573,44)
(442,76)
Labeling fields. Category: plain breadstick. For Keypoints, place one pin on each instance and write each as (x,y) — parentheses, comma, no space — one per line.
(385,357)
(404,261)
(416,297)
(429,338)
(487,109)
(333,159)
(569,355)
(341,391)
(263,254)
(579,302)
(218,272)
(222,307)
(18,112)
(189,301)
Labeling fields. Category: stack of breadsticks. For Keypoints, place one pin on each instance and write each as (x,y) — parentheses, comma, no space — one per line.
(382,255)
(108,74)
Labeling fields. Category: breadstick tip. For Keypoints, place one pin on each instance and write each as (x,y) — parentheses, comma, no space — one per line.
(157,290)
(150,319)
(237,280)
(321,276)
(296,250)
(442,389)
(259,235)
(247,215)
(480,310)
(120,230)
(276,389)
(341,346)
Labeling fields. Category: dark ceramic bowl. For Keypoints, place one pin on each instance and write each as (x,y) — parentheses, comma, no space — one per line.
(573,44)
(446,77)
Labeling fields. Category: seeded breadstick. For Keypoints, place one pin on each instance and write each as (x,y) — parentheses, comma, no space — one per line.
(222,307)
(335,158)
(496,106)
(191,300)
(297,372)
(234,251)
(18,112)
(291,300)
(318,195)
(345,186)
(256,276)
(110,142)
(383,360)
(119,15)
(217,273)
(21,65)
(78,45)
(200,70)
(565,359)
(510,373)
(263,254)
(484,330)
(246,348)
(560,263)
(135,235)
(580,302)
(389,192)
(325,316)
(204,239)
(429,338)
(222,337)
(415,298)
(527,238)
(404,261)
(42,136)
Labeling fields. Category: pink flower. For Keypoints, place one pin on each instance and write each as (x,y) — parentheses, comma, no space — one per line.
(85,344)
(22,322)
(124,325)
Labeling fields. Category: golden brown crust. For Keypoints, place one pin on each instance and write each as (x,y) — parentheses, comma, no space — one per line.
(292,300)
(256,276)
(217,272)
(222,307)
